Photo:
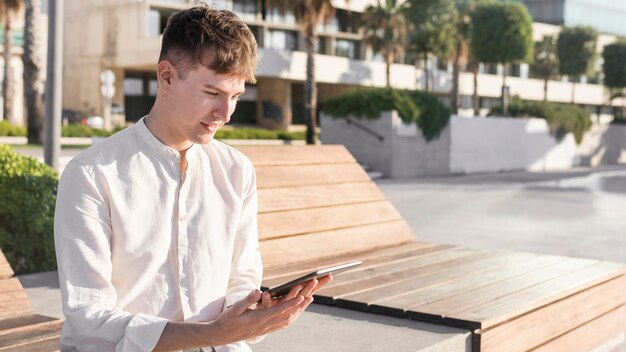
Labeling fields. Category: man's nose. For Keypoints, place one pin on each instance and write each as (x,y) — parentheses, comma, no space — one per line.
(225,109)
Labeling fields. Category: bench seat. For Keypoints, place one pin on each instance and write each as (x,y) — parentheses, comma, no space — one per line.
(318,207)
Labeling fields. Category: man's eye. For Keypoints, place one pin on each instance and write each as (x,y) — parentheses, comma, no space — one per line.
(211,93)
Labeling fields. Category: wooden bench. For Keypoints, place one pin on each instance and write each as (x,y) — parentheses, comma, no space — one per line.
(20,328)
(318,207)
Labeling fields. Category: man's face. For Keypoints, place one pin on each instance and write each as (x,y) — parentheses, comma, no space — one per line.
(201,102)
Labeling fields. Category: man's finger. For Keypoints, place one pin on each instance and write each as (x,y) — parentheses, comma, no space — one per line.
(283,307)
(243,305)
(308,289)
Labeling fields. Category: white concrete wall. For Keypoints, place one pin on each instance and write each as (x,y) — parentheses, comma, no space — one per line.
(473,145)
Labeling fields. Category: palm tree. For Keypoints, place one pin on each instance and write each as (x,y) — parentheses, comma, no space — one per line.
(545,63)
(308,14)
(8,9)
(32,67)
(385,30)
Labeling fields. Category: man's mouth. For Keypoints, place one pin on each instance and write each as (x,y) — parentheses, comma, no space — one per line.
(210,127)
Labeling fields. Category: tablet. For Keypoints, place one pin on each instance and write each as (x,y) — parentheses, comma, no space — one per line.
(283,289)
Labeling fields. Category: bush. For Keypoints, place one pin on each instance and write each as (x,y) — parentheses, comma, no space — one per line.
(561,118)
(27,200)
(8,130)
(421,108)
(78,130)
(257,133)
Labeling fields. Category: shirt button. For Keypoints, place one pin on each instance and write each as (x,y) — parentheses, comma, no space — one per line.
(182,219)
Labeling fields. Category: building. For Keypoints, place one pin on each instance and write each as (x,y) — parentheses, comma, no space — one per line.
(125,35)
(606,16)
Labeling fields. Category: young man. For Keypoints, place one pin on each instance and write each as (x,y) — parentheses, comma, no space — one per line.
(156,227)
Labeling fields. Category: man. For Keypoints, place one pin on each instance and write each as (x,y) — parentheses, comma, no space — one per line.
(155,227)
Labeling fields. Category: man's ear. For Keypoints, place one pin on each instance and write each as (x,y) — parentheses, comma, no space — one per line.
(165,73)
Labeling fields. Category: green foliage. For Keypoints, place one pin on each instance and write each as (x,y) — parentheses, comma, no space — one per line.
(6,129)
(421,108)
(27,200)
(432,29)
(257,133)
(501,32)
(614,68)
(78,130)
(545,63)
(561,118)
(576,50)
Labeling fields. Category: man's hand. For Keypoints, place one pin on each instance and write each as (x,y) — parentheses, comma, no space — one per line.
(311,287)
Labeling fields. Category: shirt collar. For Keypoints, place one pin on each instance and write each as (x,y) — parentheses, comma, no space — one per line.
(157,145)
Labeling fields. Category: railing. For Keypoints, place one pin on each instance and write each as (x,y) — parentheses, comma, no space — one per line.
(357,124)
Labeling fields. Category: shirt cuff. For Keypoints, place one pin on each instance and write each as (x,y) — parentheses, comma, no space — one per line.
(142,333)
(234,347)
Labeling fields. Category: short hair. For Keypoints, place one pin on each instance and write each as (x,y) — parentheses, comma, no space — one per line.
(199,33)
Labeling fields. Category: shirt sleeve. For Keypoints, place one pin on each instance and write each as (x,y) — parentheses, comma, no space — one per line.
(247,269)
(82,232)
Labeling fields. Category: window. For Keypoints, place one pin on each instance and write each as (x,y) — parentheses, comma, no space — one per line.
(281,40)
(246,9)
(133,86)
(347,48)
(272,15)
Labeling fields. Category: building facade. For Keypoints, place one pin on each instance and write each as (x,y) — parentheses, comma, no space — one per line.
(124,36)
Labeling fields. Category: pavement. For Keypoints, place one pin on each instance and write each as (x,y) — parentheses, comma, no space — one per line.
(578,212)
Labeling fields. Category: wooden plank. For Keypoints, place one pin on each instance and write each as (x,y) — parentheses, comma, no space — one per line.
(47,344)
(368,257)
(9,324)
(406,301)
(382,266)
(462,306)
(591,335)
(328,244)
(293,222)
(555,319)
(29,336)
(297,155)
(13,298)
(411,282)
(290,198)
(5,268)
(534,297)
(308,175)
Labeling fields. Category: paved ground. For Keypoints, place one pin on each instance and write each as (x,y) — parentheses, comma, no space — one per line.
(579,212)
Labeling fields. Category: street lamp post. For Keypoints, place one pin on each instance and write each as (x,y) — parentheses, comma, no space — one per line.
(52,142)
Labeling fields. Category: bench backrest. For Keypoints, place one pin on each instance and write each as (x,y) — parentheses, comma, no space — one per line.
(13,298)
(317,202)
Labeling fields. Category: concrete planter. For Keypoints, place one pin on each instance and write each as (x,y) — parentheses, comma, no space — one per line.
(471,145)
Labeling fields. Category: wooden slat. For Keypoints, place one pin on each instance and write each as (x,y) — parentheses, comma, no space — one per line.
(591,335)
(297,155)
(5,268)
(407,300)
(510,306)
(24,337)
(412,281)
(290,198)
(20,321)
(368,257)
(539,326)
(308,175)
(287,223)
(477,299)
(13,298)
(328,244)
(47,344)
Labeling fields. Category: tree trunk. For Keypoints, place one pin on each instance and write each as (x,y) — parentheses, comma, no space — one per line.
(7,82)
(545,88)
(505,95)
(32,68)
(475,99)
(310,86)
(454,94)
(573,90)
(426,73)
(388,60)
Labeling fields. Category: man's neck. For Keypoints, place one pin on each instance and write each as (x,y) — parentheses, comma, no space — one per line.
(157,124)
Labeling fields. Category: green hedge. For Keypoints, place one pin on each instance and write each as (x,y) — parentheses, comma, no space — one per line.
(421,108)
(27,200)
(258,133)
(8,130)
(561,118)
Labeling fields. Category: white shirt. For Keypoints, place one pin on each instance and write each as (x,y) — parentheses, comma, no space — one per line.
(138,245)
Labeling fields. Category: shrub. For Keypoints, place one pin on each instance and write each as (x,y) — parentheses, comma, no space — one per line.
(421,108)
(257,133)
(27,200)
(78,130)
(561,118)
(8,130)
